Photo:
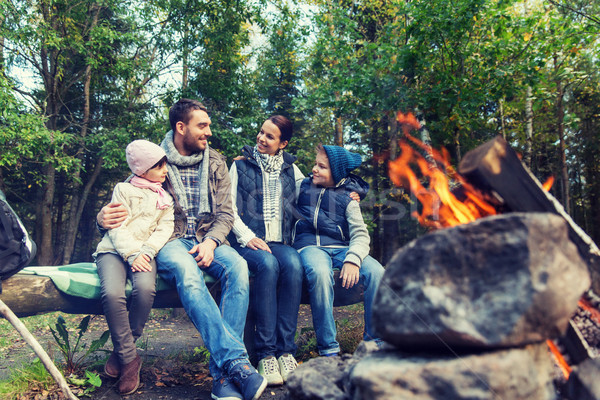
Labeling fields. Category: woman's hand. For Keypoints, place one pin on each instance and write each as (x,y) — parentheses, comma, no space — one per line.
(349,275)
(258,244)
(112,215)
(141,264)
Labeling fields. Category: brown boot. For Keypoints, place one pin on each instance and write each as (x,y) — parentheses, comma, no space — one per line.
(112,367)
(130,376)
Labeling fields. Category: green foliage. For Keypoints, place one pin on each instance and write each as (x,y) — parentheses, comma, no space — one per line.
(24,378)
(76,354)
(202,353)
(89,383)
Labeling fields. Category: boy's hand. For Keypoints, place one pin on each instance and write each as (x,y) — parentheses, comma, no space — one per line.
(349,275)
(112,216)
(257,243)
(141,264)
(206,252)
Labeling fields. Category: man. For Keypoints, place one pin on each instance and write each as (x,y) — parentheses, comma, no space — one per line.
(203,218)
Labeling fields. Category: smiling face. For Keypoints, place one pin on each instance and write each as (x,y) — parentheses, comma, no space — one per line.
(268,140)
(156,174)
(192,138)
(322,171)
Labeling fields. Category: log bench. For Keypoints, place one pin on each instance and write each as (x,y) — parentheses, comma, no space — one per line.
(28,295)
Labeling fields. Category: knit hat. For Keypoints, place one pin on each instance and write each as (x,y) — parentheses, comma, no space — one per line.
(341,161)
(142,155)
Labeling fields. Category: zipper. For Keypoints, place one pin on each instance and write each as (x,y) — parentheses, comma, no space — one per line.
(315,218)
(341,232)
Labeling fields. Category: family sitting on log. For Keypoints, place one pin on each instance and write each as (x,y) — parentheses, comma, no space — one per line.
(177,215)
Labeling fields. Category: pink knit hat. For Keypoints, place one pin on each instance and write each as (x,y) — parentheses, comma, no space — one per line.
(142,155)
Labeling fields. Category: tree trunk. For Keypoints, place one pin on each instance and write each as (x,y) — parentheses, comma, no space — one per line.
(46,245)
(339,126)
(76,218)
(528,127)
(457,144)
(564,172)
(502,127)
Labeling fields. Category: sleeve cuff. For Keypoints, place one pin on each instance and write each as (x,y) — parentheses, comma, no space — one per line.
(353,258)
(214,239)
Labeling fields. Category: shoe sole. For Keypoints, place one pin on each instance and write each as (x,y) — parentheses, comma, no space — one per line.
(110,375)
(261,389)
(137,386)
(278,382)
(223,398)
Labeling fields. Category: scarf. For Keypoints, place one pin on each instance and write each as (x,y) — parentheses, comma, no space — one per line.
(164,200)
(271,190)
(176,159)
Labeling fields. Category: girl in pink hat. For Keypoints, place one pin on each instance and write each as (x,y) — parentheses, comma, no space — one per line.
(128,252)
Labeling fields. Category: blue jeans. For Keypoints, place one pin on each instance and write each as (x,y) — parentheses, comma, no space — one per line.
(318,263)
(125,326)
(276,295)
(221,327)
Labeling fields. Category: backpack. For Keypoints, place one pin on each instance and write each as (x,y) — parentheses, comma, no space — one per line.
(16,248)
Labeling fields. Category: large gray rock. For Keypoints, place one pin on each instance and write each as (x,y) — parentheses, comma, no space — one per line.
(321,378)
(515,374)
(325,378)
(501,281)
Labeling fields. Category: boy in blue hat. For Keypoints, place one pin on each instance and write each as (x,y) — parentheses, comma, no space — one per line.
(332,234)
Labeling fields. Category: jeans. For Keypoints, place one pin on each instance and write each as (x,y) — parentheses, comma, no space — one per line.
(318,263)
(276,295)
(125,327)
(221,327)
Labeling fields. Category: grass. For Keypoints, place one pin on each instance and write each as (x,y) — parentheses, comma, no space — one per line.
(350,329)
(27,378)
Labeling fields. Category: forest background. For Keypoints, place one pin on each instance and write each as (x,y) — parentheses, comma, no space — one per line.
(81,79)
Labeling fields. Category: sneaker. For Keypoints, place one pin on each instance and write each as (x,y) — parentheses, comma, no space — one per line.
(223,389)
(287,365)
(130,376)
(112,368)
(249,382)
(269,368)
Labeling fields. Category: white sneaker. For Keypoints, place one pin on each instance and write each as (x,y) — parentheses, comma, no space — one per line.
(287,364)
(269,368)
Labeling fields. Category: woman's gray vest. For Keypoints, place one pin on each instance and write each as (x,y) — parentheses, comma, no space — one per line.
(250,194)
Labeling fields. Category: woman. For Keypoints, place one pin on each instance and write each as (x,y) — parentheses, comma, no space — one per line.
(264,186)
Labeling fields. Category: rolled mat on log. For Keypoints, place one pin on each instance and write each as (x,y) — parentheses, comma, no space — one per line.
(75,289)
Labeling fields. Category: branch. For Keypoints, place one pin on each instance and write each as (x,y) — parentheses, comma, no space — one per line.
(37,349)
(573,10)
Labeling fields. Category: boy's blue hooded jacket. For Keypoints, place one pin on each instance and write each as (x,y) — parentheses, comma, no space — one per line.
(323,212)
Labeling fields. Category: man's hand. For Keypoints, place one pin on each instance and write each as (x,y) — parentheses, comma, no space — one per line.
(112,216)
(257,243)
(354,196)
(206,252)
(141,264)
(349,275)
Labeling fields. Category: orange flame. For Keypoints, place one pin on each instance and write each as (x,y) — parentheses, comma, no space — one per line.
(440,206)
(562,363)
(548,184)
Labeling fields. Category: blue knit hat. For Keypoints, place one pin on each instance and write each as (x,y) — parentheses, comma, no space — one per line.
(341,161)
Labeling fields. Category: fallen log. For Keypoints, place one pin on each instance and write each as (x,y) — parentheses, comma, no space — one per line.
(30,295)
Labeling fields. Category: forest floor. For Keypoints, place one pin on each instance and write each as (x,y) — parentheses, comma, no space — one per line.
(174,366)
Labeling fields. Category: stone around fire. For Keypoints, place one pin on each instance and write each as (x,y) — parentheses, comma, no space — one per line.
(501,281)
(516,374)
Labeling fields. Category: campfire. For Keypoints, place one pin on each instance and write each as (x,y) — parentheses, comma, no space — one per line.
(491,181)
(470,309)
